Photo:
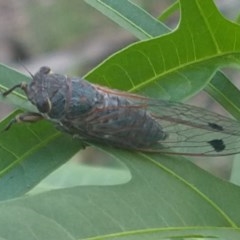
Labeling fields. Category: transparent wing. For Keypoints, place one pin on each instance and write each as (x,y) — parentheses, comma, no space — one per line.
(189,130)
(195,131)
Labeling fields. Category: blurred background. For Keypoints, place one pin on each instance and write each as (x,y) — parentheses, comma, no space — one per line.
(71,37)
(64,35)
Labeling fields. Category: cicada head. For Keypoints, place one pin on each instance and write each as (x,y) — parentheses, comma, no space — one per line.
(45,89)
(36,90)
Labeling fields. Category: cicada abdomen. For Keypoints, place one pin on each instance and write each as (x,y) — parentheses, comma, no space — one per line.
(94,113)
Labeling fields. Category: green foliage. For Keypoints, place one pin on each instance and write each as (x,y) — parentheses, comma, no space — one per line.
(166,196)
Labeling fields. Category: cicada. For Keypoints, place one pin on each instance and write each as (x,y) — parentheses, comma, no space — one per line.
(94,113)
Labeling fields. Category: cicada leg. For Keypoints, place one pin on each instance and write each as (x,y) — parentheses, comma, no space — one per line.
(30,117)
(22,85)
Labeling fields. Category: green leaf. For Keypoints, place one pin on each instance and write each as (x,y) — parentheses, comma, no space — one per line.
(176,65)
(138,22)
(30,152)
(169,11)
(106,8)
(226,93)
(166,197)
(235,178)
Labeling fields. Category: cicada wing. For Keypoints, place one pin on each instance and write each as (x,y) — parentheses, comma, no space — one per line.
(189,130)
(193,130)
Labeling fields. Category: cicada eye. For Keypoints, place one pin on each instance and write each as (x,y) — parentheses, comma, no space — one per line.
(45,70)
(44,106)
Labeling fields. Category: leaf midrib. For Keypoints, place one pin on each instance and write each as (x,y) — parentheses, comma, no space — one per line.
(175,70)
